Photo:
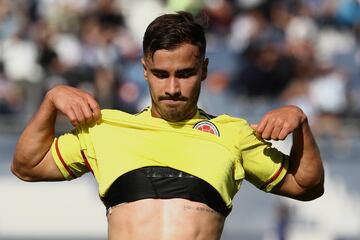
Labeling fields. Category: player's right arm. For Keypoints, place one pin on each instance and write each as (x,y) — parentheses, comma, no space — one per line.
(33,160)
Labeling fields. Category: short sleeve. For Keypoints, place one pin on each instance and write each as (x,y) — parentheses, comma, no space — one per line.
(68,155)
(264,165)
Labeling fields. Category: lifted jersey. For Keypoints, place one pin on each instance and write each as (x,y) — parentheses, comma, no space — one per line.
(221,150)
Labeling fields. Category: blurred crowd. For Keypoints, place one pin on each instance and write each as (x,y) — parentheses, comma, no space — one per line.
(263,53)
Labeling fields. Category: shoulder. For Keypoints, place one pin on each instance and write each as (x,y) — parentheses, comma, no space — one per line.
(231,122)
(113,114)
(229,126)
(223,118)
(110,116)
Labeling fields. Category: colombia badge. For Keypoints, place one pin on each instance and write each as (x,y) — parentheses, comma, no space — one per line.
(207,126)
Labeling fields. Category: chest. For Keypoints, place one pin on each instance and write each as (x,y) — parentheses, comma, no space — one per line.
(128,148)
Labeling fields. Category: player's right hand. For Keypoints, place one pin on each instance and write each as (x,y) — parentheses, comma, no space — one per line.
(79,106)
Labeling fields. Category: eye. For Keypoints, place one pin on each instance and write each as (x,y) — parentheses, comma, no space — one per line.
(161,75)
(186,74)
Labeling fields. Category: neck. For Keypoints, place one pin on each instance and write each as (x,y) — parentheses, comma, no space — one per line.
(174,116)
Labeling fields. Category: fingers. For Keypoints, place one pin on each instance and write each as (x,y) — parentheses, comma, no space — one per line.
(85,111)
(283,134)
(81,113)
(79,106)
(261,126)
(72,117)
(274,128)
(254,126)
(94,107)
(279,123)
(267,129)
(271,131)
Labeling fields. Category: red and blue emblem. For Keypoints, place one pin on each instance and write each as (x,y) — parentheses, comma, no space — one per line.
(207,126)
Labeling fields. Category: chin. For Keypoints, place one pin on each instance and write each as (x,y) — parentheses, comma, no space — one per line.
(173,115)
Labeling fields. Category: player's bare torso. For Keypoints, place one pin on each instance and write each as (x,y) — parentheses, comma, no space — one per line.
(161,219)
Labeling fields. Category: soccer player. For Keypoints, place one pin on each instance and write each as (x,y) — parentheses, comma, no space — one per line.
(171,171)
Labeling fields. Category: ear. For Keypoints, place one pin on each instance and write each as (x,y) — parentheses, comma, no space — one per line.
(204,69)
(145,69)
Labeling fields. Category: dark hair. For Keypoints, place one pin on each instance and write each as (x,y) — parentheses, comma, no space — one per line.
(168,31)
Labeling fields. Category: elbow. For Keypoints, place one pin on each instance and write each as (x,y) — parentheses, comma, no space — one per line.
(313,189)
(312,193)
(317,190)
(21,172)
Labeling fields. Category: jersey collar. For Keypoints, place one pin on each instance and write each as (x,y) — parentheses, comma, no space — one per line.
(147,113)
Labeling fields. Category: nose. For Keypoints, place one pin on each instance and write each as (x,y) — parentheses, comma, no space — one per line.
(173,87)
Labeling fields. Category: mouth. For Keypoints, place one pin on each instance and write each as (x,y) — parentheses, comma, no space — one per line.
(172,102)
(168,99)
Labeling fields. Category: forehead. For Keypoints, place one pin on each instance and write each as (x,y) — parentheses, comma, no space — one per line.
(183,56)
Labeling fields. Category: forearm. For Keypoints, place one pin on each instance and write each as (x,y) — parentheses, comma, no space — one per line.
(305,160)
(36,139)
(305,177)
(33,160)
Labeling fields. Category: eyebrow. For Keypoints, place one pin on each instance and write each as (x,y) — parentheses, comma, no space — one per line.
(180,71)
(156,71)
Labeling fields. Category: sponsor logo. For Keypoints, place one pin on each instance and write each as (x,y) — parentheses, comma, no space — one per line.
(207,126)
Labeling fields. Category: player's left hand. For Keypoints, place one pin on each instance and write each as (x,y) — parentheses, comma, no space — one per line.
(279,123)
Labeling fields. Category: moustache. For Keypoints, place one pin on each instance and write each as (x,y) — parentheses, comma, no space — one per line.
(177,98)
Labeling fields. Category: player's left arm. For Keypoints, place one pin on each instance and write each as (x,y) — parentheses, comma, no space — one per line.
(305,177)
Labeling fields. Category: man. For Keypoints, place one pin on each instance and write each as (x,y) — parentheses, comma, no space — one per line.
(171,171)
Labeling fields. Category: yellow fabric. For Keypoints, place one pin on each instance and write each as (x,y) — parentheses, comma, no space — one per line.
(122,142)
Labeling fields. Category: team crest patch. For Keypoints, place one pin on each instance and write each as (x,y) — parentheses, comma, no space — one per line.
(207,126)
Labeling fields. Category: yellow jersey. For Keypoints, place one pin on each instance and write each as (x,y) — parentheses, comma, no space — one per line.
(222,150)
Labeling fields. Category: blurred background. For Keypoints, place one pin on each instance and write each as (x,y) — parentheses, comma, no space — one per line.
(263,54)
